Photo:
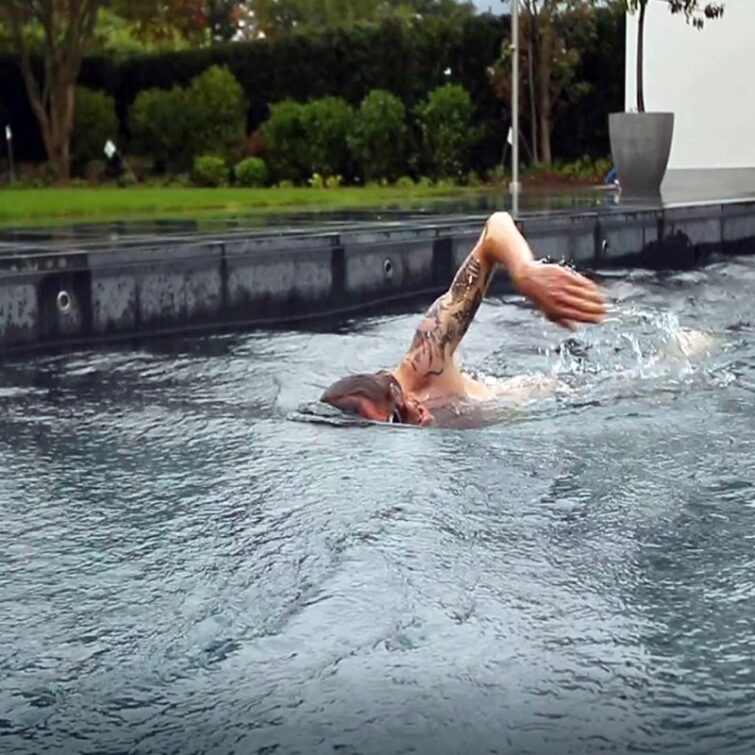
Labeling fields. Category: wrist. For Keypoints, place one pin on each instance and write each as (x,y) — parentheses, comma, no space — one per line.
(521,273)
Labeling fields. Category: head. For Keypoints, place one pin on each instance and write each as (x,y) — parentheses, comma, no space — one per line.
(376,396)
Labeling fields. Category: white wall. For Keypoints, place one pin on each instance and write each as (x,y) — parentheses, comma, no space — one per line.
(707,78)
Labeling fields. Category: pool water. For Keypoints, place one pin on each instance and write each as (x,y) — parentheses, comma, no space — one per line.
(186,569)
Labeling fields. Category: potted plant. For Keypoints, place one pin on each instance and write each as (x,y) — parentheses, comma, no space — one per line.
(641,141)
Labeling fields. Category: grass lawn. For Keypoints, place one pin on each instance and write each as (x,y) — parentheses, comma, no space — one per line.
(20,207)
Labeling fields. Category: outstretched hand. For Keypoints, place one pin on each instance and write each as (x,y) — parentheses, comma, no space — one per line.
(562,295)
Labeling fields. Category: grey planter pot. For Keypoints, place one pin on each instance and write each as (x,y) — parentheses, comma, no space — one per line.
(640,146)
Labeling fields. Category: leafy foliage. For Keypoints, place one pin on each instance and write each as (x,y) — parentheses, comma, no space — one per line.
(285,136)
(405,58)
(95,122)
(553,36)
(695,11)
(173,125)
(66,29)
(277,18)
(210,170)
(160,126)
(217,113)
(327,122)
(378,137)
(306,138)
(448,134)
(251,172)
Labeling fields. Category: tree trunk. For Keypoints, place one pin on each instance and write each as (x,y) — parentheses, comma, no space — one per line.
(531,52)
(55,117)
(52,100)
(640,58)
(544,90)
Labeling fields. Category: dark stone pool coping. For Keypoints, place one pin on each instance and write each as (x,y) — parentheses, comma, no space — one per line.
(70,292)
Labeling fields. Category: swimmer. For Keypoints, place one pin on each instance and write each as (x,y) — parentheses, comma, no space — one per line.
(427,376)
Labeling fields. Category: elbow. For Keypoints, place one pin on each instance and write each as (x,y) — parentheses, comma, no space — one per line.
(499,220)
(497,227)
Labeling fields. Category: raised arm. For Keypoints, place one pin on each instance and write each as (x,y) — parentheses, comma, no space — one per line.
(565,297)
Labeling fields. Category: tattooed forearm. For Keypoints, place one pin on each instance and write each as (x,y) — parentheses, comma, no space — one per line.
(449,318)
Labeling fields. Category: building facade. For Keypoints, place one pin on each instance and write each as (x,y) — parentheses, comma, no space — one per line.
(707,79)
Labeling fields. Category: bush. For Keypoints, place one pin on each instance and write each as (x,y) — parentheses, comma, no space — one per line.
(174,125)
(285,139)
(94,123)
(327,123)
(126,180)
(305,138)
(251,172)
(217,111)
(378,138)
(95,171)
(210,170)
(162,127)
(445,121)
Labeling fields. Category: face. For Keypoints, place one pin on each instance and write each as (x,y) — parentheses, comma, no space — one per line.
(406,409)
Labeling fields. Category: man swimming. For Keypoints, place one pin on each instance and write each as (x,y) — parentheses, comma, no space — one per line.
(427,375)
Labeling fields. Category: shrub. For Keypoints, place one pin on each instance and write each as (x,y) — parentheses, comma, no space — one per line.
(210,170)
(127,179)
(251,172)
(378,137)
(445,121)
(161,126)
(405,182)
(95,171)
(94,123)
(327,123)
(285,138)
(217,111)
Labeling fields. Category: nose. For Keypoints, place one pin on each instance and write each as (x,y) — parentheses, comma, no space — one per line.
(425,418)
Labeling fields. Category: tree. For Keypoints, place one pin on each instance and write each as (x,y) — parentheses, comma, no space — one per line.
(552,35)
(161,19)
(62,31)
(274,18)
(66,27)
(695,11)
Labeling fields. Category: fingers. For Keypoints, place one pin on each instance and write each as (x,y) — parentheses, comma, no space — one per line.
(578,297)
(564,323)
(588,293)
(568,324)
(578,315)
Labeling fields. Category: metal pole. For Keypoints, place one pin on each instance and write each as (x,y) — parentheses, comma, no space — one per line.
(9,138)
(515,185)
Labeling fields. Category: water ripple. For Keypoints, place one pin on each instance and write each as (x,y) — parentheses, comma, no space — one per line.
(186,570)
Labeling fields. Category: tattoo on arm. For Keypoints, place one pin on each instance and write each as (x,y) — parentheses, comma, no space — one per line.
(449,318)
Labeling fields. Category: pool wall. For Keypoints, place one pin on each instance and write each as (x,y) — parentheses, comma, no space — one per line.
(53,296)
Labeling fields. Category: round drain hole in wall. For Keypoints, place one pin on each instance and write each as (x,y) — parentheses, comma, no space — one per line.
(388,268)
(64,301)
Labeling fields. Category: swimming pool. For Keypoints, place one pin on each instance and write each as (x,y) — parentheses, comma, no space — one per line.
(185,569)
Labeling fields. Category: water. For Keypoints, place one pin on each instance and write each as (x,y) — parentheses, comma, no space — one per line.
(186,570)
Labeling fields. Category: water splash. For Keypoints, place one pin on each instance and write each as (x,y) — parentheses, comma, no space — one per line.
(637,342)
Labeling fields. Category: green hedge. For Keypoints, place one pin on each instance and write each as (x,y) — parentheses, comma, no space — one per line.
(406,59)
